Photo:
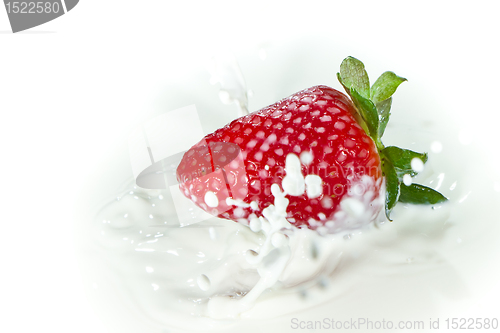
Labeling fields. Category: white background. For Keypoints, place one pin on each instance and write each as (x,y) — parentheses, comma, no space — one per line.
(73,88)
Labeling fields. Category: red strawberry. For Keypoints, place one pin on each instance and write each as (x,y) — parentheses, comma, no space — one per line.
(336,183)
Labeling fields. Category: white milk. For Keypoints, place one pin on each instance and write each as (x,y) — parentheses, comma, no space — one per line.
(145,273)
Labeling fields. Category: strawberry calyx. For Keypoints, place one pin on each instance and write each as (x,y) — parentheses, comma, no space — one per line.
(374,108)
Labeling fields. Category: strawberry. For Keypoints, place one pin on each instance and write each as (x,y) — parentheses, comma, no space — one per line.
(322,149)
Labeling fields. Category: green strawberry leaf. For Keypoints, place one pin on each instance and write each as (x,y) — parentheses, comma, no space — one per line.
(374,108)
(420,195)
(384,112)
(392,187)
(385,86)
(353,75)
(368,112)
(401,159)
(346,88)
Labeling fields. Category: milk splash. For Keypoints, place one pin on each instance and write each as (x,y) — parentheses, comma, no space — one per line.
(280,237)
(224,69)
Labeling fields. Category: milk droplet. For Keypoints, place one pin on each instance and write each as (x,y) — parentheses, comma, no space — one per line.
(306,157)
(293,183)
(203,282)
(417,165)
(225,97)
(436,147)
(407,180)
(255,225)
(254,205)
(314,187)
(211,199)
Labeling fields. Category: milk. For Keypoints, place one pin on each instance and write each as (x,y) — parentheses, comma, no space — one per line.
(147,273)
